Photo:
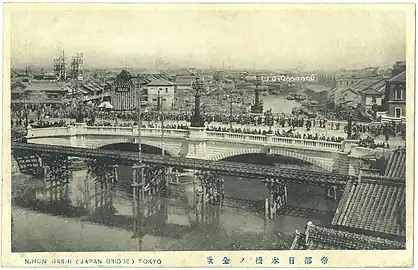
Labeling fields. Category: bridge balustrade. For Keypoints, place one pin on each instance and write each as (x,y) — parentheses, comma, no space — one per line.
(257,138)
(49,131)
(180,133)
(122,131)
(307,142)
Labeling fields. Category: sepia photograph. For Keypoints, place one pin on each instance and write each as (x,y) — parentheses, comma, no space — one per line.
(207,128)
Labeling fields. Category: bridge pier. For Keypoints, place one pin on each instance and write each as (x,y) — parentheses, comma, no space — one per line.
(155,180)
(104,176)
(56,169)
(149,180)
(277,197)
(138,183)
(212,188)
(88,176)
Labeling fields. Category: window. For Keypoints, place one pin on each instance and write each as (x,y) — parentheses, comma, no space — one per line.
(374,100)
(166,90)
(398,93)
(154,99)
(398,112)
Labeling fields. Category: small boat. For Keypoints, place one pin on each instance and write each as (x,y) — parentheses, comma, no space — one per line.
(300,97)
(289,97)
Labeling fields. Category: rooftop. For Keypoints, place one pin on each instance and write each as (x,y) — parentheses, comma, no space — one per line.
(373,204)
(396,166)
(45,86)
(185,82)
(319,238)
(370,91)
(400,78)
(160,82)
(124,79)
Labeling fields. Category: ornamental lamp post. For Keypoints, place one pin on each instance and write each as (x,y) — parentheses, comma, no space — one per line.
(197,120)
(257,107)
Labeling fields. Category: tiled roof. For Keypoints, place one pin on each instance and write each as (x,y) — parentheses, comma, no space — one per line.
(379,84)
(370,91)
(123,75)
(396,166)
(185,82)
(160,82)
(382,89)
(94,84)
(124,79)
(319,238)
(374,204)
(365,83)
(38,101)
(47,86)
(19,83)
(349,89)
(400,78)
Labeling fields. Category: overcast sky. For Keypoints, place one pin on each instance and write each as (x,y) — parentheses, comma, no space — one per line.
(287,37)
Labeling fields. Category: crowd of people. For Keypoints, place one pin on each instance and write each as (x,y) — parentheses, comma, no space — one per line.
(288,123)
(369,142)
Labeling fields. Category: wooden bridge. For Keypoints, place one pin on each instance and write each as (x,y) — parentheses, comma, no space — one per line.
(222,167)
(150,172)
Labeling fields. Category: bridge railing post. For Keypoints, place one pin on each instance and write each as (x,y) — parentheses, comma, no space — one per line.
(348,145)
(30,131)
(269,138)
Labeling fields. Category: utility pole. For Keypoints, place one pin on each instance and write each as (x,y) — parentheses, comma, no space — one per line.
(159,109)
(230,115)
(138,181)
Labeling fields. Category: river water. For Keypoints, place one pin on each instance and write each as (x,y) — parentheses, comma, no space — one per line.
(82,216)
(279,104)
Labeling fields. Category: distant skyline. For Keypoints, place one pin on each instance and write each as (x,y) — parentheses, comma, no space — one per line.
(204,36)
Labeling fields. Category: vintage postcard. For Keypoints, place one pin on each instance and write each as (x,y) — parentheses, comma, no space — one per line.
(230,135)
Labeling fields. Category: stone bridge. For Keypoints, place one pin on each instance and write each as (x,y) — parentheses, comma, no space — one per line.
(198,143)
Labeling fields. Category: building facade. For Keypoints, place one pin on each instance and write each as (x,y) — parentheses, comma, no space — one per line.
(372,97)
(160,92)
(396,96)
(36,92)
(124,92)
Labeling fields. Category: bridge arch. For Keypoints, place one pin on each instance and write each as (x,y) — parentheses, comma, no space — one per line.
(130,140)
(280,152)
